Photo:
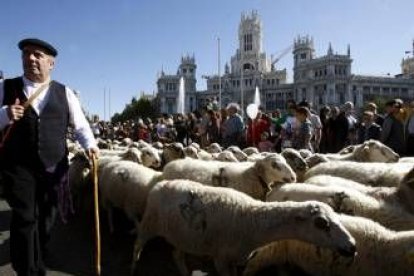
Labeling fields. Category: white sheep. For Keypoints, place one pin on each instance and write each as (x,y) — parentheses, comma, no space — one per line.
(373,174)
(328,180)
(172,152)
(392,215)
(126,142)
(79,177)
(190,152)
(305,153)
(406,160)
(204,155)
(251,150)
(226,156)
(255,157)
(150,157)
(228,225)
(369,151)
(158,145)
(195,145)
(296,161)
(214,148)
(316,159)
(252,178)
(140,144)
(125,185)
(400,196)
(112,152)
(380,252)
(259,156)
(238,153)
(147,156)
(104,144)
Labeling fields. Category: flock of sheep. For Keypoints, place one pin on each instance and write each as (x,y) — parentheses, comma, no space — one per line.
(350,213)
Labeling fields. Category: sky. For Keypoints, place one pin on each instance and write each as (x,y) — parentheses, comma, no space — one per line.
(111,51)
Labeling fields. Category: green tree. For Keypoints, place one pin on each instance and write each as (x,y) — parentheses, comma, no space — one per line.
(141,108)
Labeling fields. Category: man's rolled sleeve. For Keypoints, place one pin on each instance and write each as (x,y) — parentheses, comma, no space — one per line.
(83,132)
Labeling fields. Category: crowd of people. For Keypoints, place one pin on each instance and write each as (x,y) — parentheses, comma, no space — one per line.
(299,126)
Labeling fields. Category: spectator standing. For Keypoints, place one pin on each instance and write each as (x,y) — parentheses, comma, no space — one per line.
(344,127)
(143,132)
(316,126)
(332,128)
(368,128)
(192,125)
(378,118)
(96,130)
(410,131)
(289,124)
(161,129)
(223,118)
(393,128)
(303,133)
(256,127)
(233,127)
(265,145)
(181,128)
(324,116)
(213,127)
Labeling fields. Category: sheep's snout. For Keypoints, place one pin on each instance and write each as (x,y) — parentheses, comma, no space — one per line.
(157,164)
(395,158)
(349,251)
(288,179)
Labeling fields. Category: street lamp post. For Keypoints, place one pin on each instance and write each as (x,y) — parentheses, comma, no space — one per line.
(241,91)
(218,69)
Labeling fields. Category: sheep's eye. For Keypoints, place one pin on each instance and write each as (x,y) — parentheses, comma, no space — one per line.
(276,165)
(322,223)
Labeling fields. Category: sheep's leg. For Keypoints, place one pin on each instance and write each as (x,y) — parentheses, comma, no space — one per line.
(138,247)
(225,268)
(179,258)
(135,231)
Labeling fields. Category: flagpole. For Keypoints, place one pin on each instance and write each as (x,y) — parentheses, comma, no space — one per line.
(109,104)
(104,104)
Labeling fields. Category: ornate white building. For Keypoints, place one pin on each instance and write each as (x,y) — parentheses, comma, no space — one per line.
(168,87)
(324,80)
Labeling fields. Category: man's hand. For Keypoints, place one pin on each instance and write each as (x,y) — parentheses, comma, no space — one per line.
(93,152)
(15,111)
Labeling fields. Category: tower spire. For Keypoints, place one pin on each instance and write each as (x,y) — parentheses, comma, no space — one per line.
(330,51)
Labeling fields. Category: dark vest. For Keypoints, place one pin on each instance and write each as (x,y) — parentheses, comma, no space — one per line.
(34,136)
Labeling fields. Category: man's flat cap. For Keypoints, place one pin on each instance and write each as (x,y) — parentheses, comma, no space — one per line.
(37,42)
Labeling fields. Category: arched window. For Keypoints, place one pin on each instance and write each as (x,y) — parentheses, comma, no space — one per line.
(248,66)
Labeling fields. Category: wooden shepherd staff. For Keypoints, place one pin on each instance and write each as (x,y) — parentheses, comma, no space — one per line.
(96,207)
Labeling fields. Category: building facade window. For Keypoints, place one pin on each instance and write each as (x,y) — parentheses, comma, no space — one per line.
(248,42)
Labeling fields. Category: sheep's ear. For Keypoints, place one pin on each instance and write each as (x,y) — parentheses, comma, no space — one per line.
(315,209)
(259,168)
(408,179)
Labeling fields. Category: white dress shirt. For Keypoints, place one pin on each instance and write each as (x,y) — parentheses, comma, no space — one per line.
(82,129)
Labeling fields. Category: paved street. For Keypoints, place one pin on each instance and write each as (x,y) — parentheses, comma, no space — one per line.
(71,249)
